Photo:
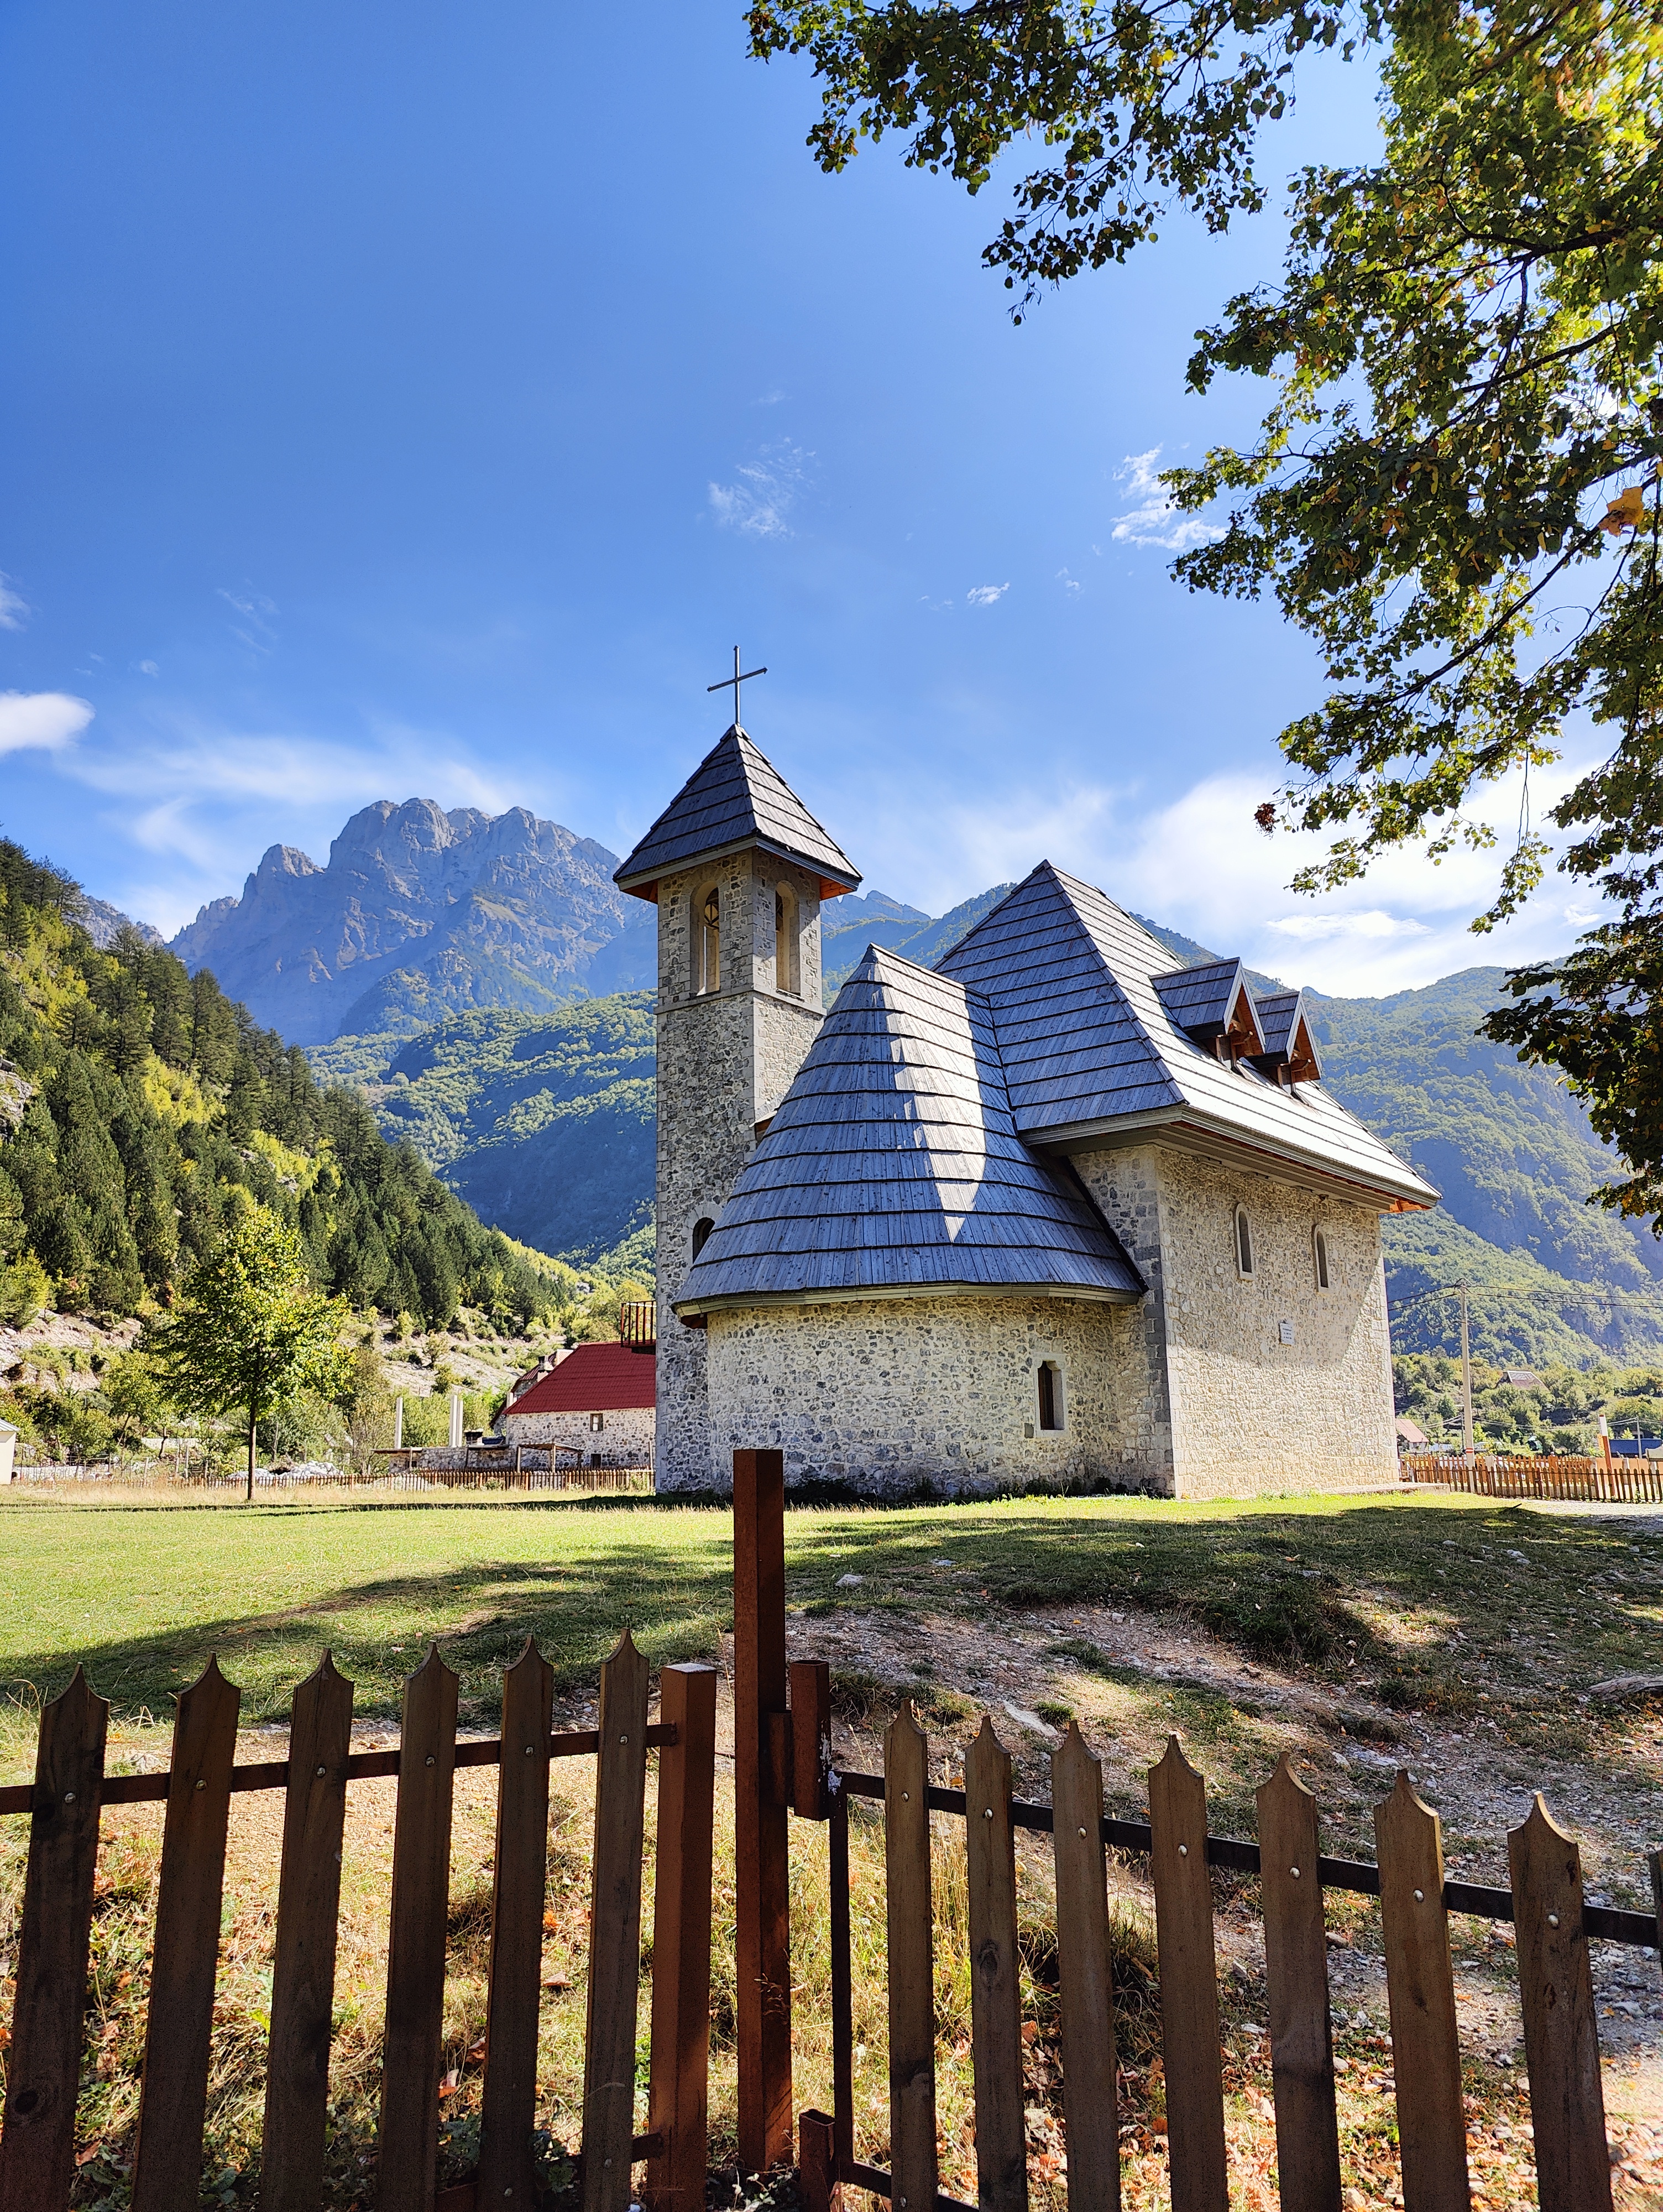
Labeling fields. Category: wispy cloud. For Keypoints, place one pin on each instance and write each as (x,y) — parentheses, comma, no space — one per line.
(255,627)
(149,668)
(12,606)
(41,722)
(1155,520)
(766,491)
(983,595)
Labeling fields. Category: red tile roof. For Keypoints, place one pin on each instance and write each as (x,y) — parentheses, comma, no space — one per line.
(596,1378)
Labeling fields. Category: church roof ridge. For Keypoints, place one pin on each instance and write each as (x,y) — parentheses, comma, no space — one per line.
(893,1166)
(735,798)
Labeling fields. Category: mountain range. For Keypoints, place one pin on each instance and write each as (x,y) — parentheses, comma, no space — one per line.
(418,914)
(482,982)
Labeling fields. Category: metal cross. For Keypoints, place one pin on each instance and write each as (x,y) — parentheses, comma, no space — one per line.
(735,681)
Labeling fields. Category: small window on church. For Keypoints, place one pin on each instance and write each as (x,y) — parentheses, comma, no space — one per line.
(1243,1242)
(1320,1254)
(1051,1394)
(707,962)
(702,1234)
(786,971)
(597,1422)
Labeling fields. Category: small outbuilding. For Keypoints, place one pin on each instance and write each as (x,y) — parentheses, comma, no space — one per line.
(8,1449)
(599,1402)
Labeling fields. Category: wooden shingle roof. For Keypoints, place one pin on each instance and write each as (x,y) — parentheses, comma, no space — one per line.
(1091,1050)
(893,1168)
(734,799)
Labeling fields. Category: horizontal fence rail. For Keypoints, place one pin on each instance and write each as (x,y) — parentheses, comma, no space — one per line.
(1628,1481)
(1135,1839)
(65,1803)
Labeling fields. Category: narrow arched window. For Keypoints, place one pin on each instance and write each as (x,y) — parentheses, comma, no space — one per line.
(1051,1394)
(786,974)
(702,1234)
(1319,1257)
(708,933)
(1243,1242)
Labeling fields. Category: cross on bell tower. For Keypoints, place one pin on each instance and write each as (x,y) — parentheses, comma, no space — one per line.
(732,682)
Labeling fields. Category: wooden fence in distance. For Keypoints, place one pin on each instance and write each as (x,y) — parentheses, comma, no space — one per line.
(1628,1480)
(64,1803)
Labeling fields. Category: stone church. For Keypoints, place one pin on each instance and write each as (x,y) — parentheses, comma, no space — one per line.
(1051,1210)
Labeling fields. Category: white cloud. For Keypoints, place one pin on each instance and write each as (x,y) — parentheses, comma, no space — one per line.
(40,721)
(765,494)
(149,668)
(1069,583)
(12,606)
(1155,520)
(1373,921)
(983,595)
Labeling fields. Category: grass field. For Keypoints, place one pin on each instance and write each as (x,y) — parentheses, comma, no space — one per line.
(1437,1603)
(1449,1633)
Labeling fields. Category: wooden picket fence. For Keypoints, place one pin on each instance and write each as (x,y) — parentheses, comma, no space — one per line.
(1628,1480)
(64,1804)
(1545,1903)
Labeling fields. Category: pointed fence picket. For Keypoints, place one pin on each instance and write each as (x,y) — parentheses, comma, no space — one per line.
(37,2134)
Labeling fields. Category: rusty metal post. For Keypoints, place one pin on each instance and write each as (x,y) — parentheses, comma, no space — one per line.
(761,1943)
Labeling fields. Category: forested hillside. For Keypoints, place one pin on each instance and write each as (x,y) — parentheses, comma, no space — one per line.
(137,1103)
(546,1123)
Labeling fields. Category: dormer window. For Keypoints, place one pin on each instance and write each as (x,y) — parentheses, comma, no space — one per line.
(1288,1055)
(1214,1008)
(707,938)
(1243,1244)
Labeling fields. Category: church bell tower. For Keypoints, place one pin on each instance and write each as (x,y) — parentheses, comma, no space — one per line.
(738,869)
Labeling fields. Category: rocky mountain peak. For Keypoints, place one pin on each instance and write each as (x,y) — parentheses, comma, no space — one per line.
(420,913)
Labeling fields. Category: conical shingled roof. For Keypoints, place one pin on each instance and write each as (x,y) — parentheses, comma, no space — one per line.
(893,1168)
(1089,1049)
(735,798)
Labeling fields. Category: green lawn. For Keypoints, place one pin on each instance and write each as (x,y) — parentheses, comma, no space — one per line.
(1427,1601)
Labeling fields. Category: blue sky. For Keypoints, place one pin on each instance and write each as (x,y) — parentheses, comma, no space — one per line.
(423,399)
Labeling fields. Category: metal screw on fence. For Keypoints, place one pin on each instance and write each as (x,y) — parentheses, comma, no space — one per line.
(1183,1850)
(1553,1920)
(1420,1897)
(322,1770)
(68,1796)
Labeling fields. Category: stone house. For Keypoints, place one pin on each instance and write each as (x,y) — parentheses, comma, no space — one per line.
(1053,1210)
(599,1400)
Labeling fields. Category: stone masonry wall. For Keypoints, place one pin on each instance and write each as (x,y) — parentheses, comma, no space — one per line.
(725,1059)
(1253,1414)
(1126,1187)
(887,1394)
(627,1434)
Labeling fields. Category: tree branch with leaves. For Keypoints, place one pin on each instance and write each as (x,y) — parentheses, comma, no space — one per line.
(1453,489)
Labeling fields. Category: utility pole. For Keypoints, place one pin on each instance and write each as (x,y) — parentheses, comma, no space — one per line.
(1467,1377)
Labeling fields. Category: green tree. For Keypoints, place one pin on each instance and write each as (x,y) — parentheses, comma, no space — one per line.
(1453,490)
(250,1332)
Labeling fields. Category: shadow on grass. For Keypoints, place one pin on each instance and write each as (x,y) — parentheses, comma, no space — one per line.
(479,1613)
